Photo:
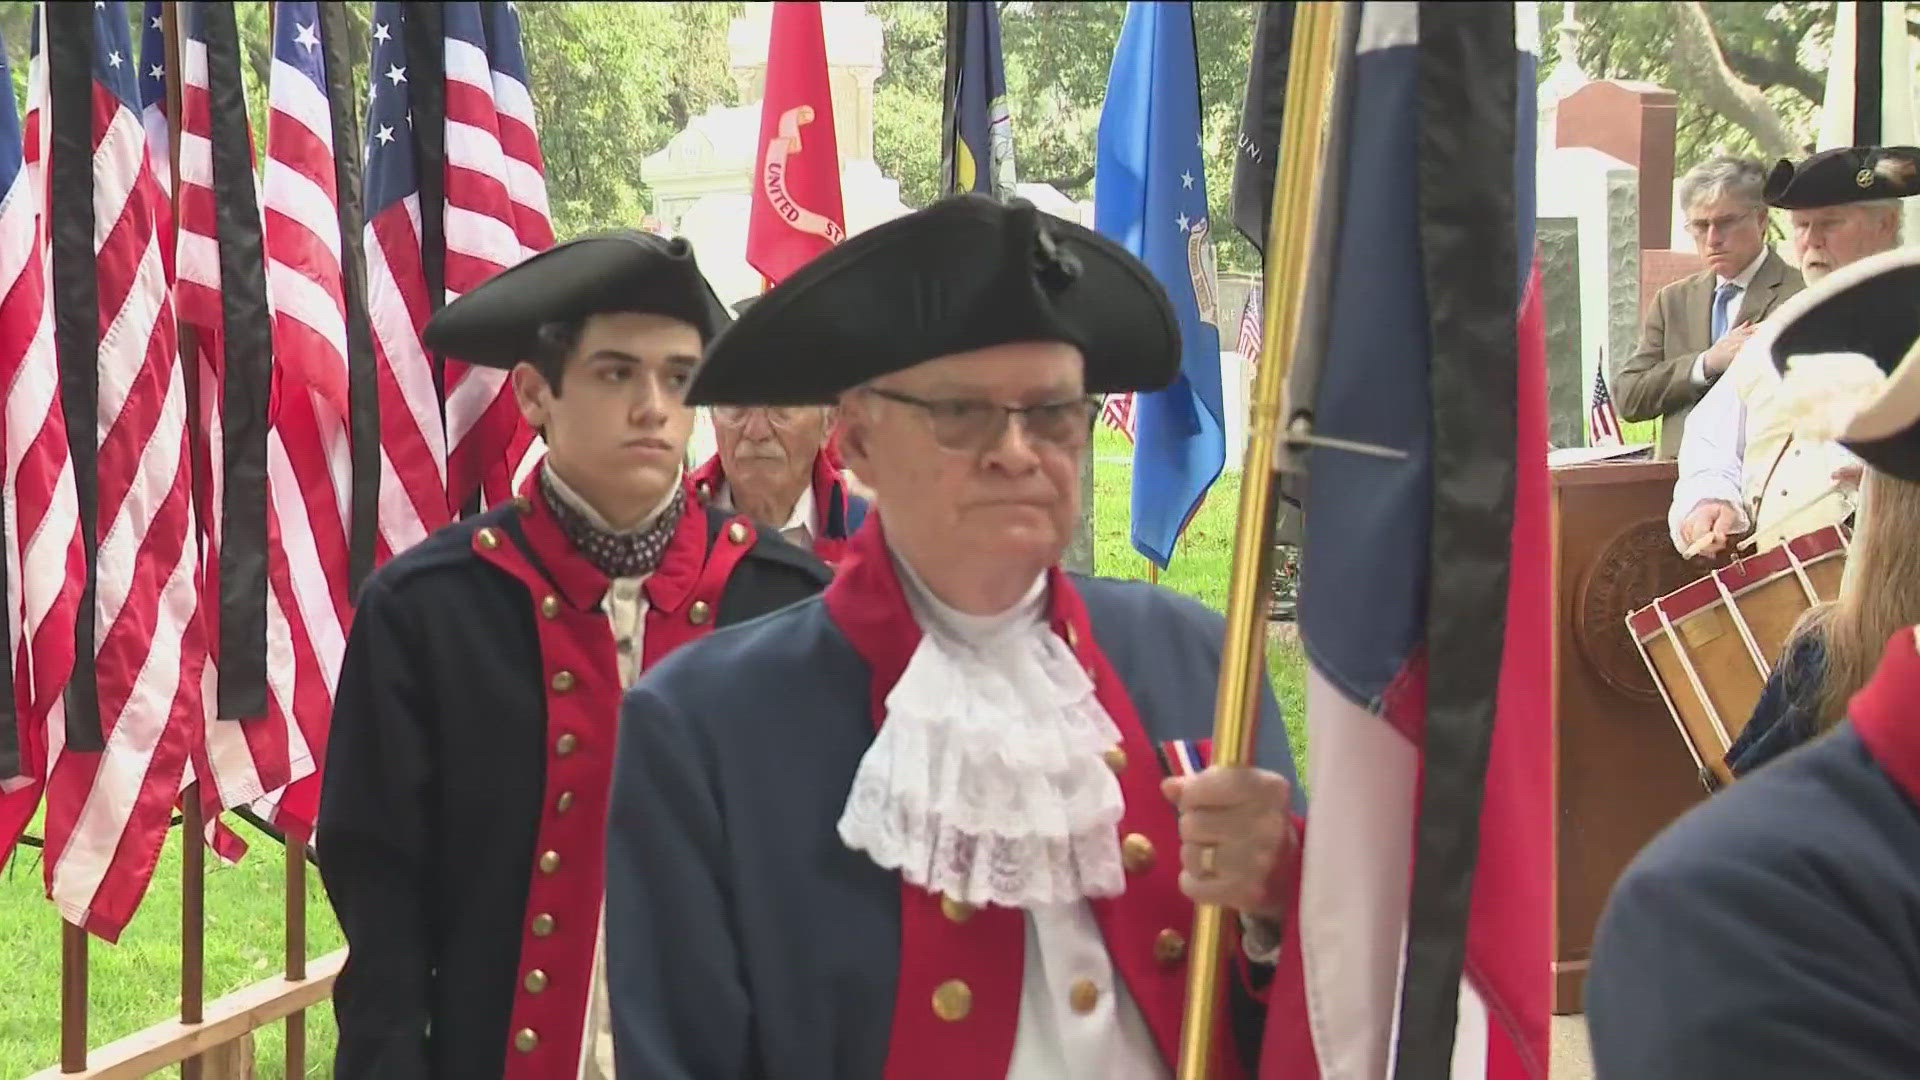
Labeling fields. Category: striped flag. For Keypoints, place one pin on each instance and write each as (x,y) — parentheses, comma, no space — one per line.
(114,767)
(252,745)
(309,479)
(484,427)
(43,562)
(1117,411)
(153,113)
(1251,315)
(526,176)
(1420,946)
(1603,421)
(413,481)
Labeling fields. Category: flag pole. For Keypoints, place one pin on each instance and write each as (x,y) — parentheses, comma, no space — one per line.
(1289,236)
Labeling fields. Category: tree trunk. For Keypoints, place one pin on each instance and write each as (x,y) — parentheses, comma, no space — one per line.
(1079,554)
(1700,68)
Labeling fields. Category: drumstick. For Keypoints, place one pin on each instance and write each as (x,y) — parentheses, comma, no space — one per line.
(1700,545)
(1808,504)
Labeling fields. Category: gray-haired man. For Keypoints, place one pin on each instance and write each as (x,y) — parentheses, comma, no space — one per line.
(1696,326)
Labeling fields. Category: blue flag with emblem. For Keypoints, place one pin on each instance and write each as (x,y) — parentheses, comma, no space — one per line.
(1150,196)
(978,128)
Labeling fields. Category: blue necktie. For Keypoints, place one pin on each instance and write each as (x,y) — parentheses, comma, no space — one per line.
(1722,307)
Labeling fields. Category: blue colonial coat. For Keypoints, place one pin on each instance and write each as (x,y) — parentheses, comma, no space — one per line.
(745,940)
(1773,933)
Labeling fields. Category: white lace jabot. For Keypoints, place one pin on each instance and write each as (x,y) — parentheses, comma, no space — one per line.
(986,782)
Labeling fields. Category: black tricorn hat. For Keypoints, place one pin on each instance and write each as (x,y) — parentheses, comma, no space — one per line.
(1870,308)
(1848,174)
(741,305)
(495,323)
(965,273)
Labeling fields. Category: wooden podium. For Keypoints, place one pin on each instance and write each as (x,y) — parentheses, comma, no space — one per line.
(1621,769)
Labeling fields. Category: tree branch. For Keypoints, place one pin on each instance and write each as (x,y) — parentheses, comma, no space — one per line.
(1777,70)
(1699,67)
(1066,184)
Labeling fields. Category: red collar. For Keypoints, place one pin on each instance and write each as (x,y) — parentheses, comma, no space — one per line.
(867,602)
(1886,712)
(582,584)
(829,494)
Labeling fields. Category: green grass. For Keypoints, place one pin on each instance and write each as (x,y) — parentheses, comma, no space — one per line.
(136,983)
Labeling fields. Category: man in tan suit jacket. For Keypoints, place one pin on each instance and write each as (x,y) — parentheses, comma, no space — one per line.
(1696,325)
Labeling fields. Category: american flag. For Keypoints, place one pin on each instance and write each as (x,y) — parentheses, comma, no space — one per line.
(242,757)
(1604,421)
(309,481)
(485,433)
(1422,938)
(413,440)
(1117,411)
(1251,314)
(107,810)
(44,566)
(153,113)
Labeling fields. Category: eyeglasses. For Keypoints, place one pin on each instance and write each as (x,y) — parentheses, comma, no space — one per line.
(971,425)
(784,417)
(1725,224)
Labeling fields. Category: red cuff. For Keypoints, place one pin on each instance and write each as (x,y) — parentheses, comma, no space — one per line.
(1287,876)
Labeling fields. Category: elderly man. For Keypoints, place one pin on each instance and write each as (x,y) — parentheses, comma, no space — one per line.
(1697,324)
(923,826)
(464,803)
(1740,467)
(1773,933)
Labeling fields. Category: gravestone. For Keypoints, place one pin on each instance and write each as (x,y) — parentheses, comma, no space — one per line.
(1623,264)
(1567,384)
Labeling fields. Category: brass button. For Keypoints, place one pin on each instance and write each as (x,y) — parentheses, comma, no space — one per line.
(697,614)
(549,862)
(952,1000)
(1137,852)
(956,910)
(542,925)
(535,981)
(1083,996)
(523,504)
(525,1040)
(562,681)
(1169,947)
(488,538)
(564,802)
(549,606)
(737,533)
(1116,759)
(564,744)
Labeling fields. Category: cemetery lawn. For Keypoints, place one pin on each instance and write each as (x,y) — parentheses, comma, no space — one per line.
(137,982)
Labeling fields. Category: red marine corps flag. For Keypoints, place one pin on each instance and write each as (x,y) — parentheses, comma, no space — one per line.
(796,191)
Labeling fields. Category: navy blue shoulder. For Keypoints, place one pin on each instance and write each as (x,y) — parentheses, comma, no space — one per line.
(448,547)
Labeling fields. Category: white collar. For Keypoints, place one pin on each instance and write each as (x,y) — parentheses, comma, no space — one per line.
(581,506)
(1745,277)
(803,516)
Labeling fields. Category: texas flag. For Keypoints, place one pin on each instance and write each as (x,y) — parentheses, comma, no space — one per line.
(1421,944)
(796,212)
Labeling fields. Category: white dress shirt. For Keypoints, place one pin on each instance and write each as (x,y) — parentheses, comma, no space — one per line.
(1713,451)
(803,521)
(1739,283)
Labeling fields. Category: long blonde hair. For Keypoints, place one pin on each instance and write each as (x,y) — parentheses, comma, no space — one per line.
(1879,592)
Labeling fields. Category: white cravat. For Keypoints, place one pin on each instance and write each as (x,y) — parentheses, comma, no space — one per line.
(972,667)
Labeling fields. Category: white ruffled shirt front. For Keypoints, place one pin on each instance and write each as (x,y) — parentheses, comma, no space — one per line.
(986,783)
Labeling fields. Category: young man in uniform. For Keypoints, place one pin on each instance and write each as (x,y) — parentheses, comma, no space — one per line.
(958,852)
(462,816)
(1773,933)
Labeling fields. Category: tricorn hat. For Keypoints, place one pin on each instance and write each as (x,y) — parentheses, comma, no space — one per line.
(497,322)
(965,273)
(1847,350)
(1848,174)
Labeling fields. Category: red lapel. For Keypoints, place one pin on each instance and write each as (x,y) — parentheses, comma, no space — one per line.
(950,955)
(1886,712)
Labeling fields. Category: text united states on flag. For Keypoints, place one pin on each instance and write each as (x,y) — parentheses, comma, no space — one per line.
(241,758)
(41,516)
(1421,942)
(309,479)
(107,811)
